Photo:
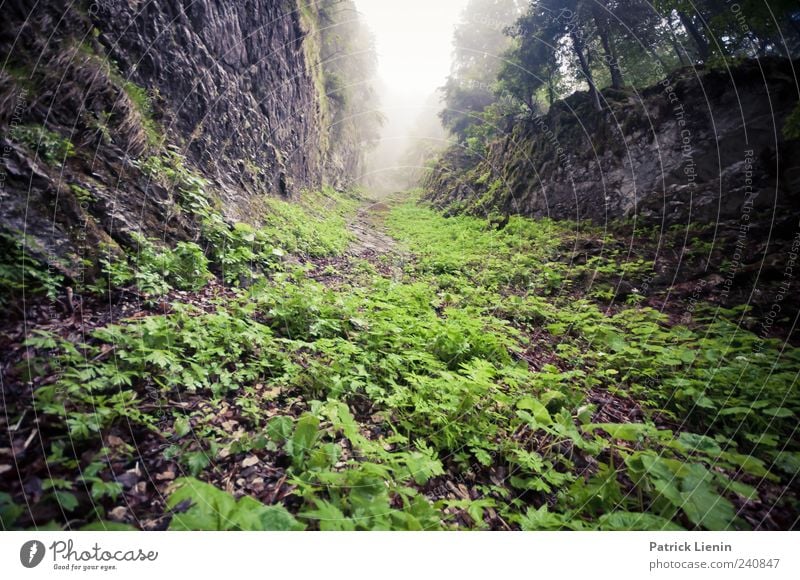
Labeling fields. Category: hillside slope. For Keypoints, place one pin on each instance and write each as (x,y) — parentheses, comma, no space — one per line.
(104,107)
(699,146)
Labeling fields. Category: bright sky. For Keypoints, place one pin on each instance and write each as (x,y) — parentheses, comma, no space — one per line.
(414,41)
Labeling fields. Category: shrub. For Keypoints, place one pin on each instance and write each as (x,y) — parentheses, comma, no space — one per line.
(49,146)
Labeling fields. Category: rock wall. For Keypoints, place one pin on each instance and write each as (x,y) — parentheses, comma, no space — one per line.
(235,83)
(234,87)
(701,146)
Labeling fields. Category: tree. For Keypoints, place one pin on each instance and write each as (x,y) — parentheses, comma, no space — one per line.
(479,44)
(544,31)
(744,28)
(349,65)
(602,20)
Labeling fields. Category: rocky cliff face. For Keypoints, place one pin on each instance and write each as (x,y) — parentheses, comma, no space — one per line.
(701,146)
(93,91)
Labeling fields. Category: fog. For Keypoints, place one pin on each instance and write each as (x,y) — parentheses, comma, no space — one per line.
(414,42)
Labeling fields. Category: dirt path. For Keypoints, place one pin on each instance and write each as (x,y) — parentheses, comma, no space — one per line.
(368,228)
(371,243)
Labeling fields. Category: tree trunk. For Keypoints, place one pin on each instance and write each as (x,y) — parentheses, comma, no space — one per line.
(699,40)
(577,45)
(679,52)
(530,102)
(675,46)
(608,48)
(551,92)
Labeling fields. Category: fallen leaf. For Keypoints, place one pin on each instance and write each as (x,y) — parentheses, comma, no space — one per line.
(250,461)
(128,479)
(272,393)
(118,514)
(168,475)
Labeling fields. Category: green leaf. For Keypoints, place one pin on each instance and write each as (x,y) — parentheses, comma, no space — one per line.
(630,521)
(659,472)
(324,456)
(329,517)
(748,463)
(543,520)
(701,504)
(66,500)
(691,442)
(9,511)
(483,456)
(252,515)
(422,466)
(305,435)
(197,461)
(160,358)
(748,492)
(182,426)
(105,526)
(743,411)
(624,431)
(279,429)
(101,489)
(788,462)
(475,508)
(214,510)
(538,410)
(56,483)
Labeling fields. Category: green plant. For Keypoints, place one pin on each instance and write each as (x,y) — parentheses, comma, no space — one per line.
(486,367)
(81,194)
(22,275)
(214,510)
(49,146)
(170,170)
(155,272)
(144,106)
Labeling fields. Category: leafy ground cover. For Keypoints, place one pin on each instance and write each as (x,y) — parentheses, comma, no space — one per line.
(451,376)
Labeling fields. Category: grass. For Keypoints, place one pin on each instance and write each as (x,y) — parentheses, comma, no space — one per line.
(143,104)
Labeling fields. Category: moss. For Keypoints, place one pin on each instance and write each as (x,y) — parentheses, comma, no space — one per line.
(312,49)
(139,97)
(21,74)
(144,106)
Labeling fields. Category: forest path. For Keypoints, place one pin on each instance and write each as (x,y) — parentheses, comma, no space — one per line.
(371,243)
(368,227)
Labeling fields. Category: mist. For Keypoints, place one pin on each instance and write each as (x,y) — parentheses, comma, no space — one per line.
(414,45)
